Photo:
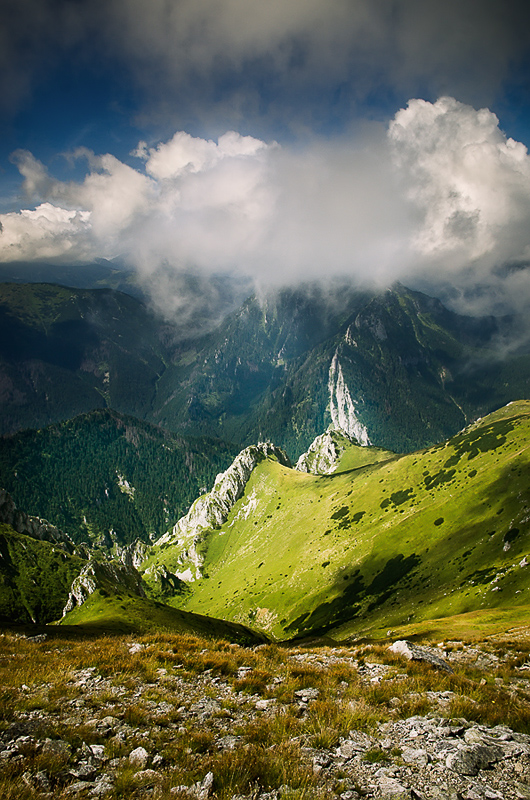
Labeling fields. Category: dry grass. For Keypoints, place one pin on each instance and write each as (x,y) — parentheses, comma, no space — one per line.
(42,679)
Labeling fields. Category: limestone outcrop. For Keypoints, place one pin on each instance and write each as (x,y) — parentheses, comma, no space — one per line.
(324,453)
(211,510)
(341,405)
(109,575)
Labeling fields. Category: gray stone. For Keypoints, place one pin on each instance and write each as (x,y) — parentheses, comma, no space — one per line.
(80,786)
(361,740)
(390,787)
(228,742)
(84,771)
(201,790)
(469,760)
(263,705)
(348,748)
(139,757)
(307,694)
(414,653)
(416,757)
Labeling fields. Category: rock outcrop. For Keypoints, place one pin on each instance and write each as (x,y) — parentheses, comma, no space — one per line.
(211,510)
(133,554)
(414,653)
(109,575)
(324,453)
(35,527)
(341,405)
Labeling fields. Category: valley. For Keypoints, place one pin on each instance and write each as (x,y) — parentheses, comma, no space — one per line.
(395,368)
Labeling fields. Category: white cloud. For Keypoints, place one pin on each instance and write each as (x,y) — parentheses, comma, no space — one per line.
(442,196)
(470,186)
(470,183)
(115,193)
(46,233)
(185,152)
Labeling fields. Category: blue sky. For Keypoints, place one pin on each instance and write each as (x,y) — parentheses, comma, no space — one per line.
(346,113)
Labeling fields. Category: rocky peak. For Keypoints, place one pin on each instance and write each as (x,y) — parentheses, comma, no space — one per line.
(324,453)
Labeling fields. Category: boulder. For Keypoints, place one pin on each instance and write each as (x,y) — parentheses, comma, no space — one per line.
(414,653)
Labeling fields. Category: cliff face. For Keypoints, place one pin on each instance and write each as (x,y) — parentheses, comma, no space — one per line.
(211,510)
(324,453)
(35,527)
(109,575)
(341,405)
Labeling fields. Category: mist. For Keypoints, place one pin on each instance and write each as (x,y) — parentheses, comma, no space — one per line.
(438,198)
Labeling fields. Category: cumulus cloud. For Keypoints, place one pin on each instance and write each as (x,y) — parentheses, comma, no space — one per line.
(114,193)
(46,233)
(470,186)
(440,197)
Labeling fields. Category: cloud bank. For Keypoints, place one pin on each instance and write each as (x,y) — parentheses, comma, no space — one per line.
(281,64)
(440,197)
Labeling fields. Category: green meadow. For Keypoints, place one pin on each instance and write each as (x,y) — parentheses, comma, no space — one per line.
(386,543)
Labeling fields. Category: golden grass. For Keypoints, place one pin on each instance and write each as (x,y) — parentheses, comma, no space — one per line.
(44,677)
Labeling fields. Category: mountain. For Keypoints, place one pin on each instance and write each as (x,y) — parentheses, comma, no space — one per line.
(35,578)
(438,539)
(395,369)
(67,351)
(45,578)
(102,274)
(403,540)
(37,565)
(107,478)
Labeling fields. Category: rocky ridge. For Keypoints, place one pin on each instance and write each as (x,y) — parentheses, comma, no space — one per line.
(211,510)
(103,574)
(35,527)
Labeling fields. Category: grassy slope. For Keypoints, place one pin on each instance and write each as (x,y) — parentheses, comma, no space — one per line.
(35,578)
(429,535)
(127,613)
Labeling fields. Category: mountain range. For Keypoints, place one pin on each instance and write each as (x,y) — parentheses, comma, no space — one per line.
(396,368)
(122,429)
(382,541)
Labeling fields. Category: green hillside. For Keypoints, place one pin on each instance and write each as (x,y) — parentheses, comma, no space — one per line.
(35,578)
(119,611)
(108,478)
(433,534)
(35,581)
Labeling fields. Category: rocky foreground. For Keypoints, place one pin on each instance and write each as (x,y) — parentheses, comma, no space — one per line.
(178,717)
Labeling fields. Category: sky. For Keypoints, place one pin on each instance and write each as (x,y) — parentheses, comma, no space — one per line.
(271,142)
